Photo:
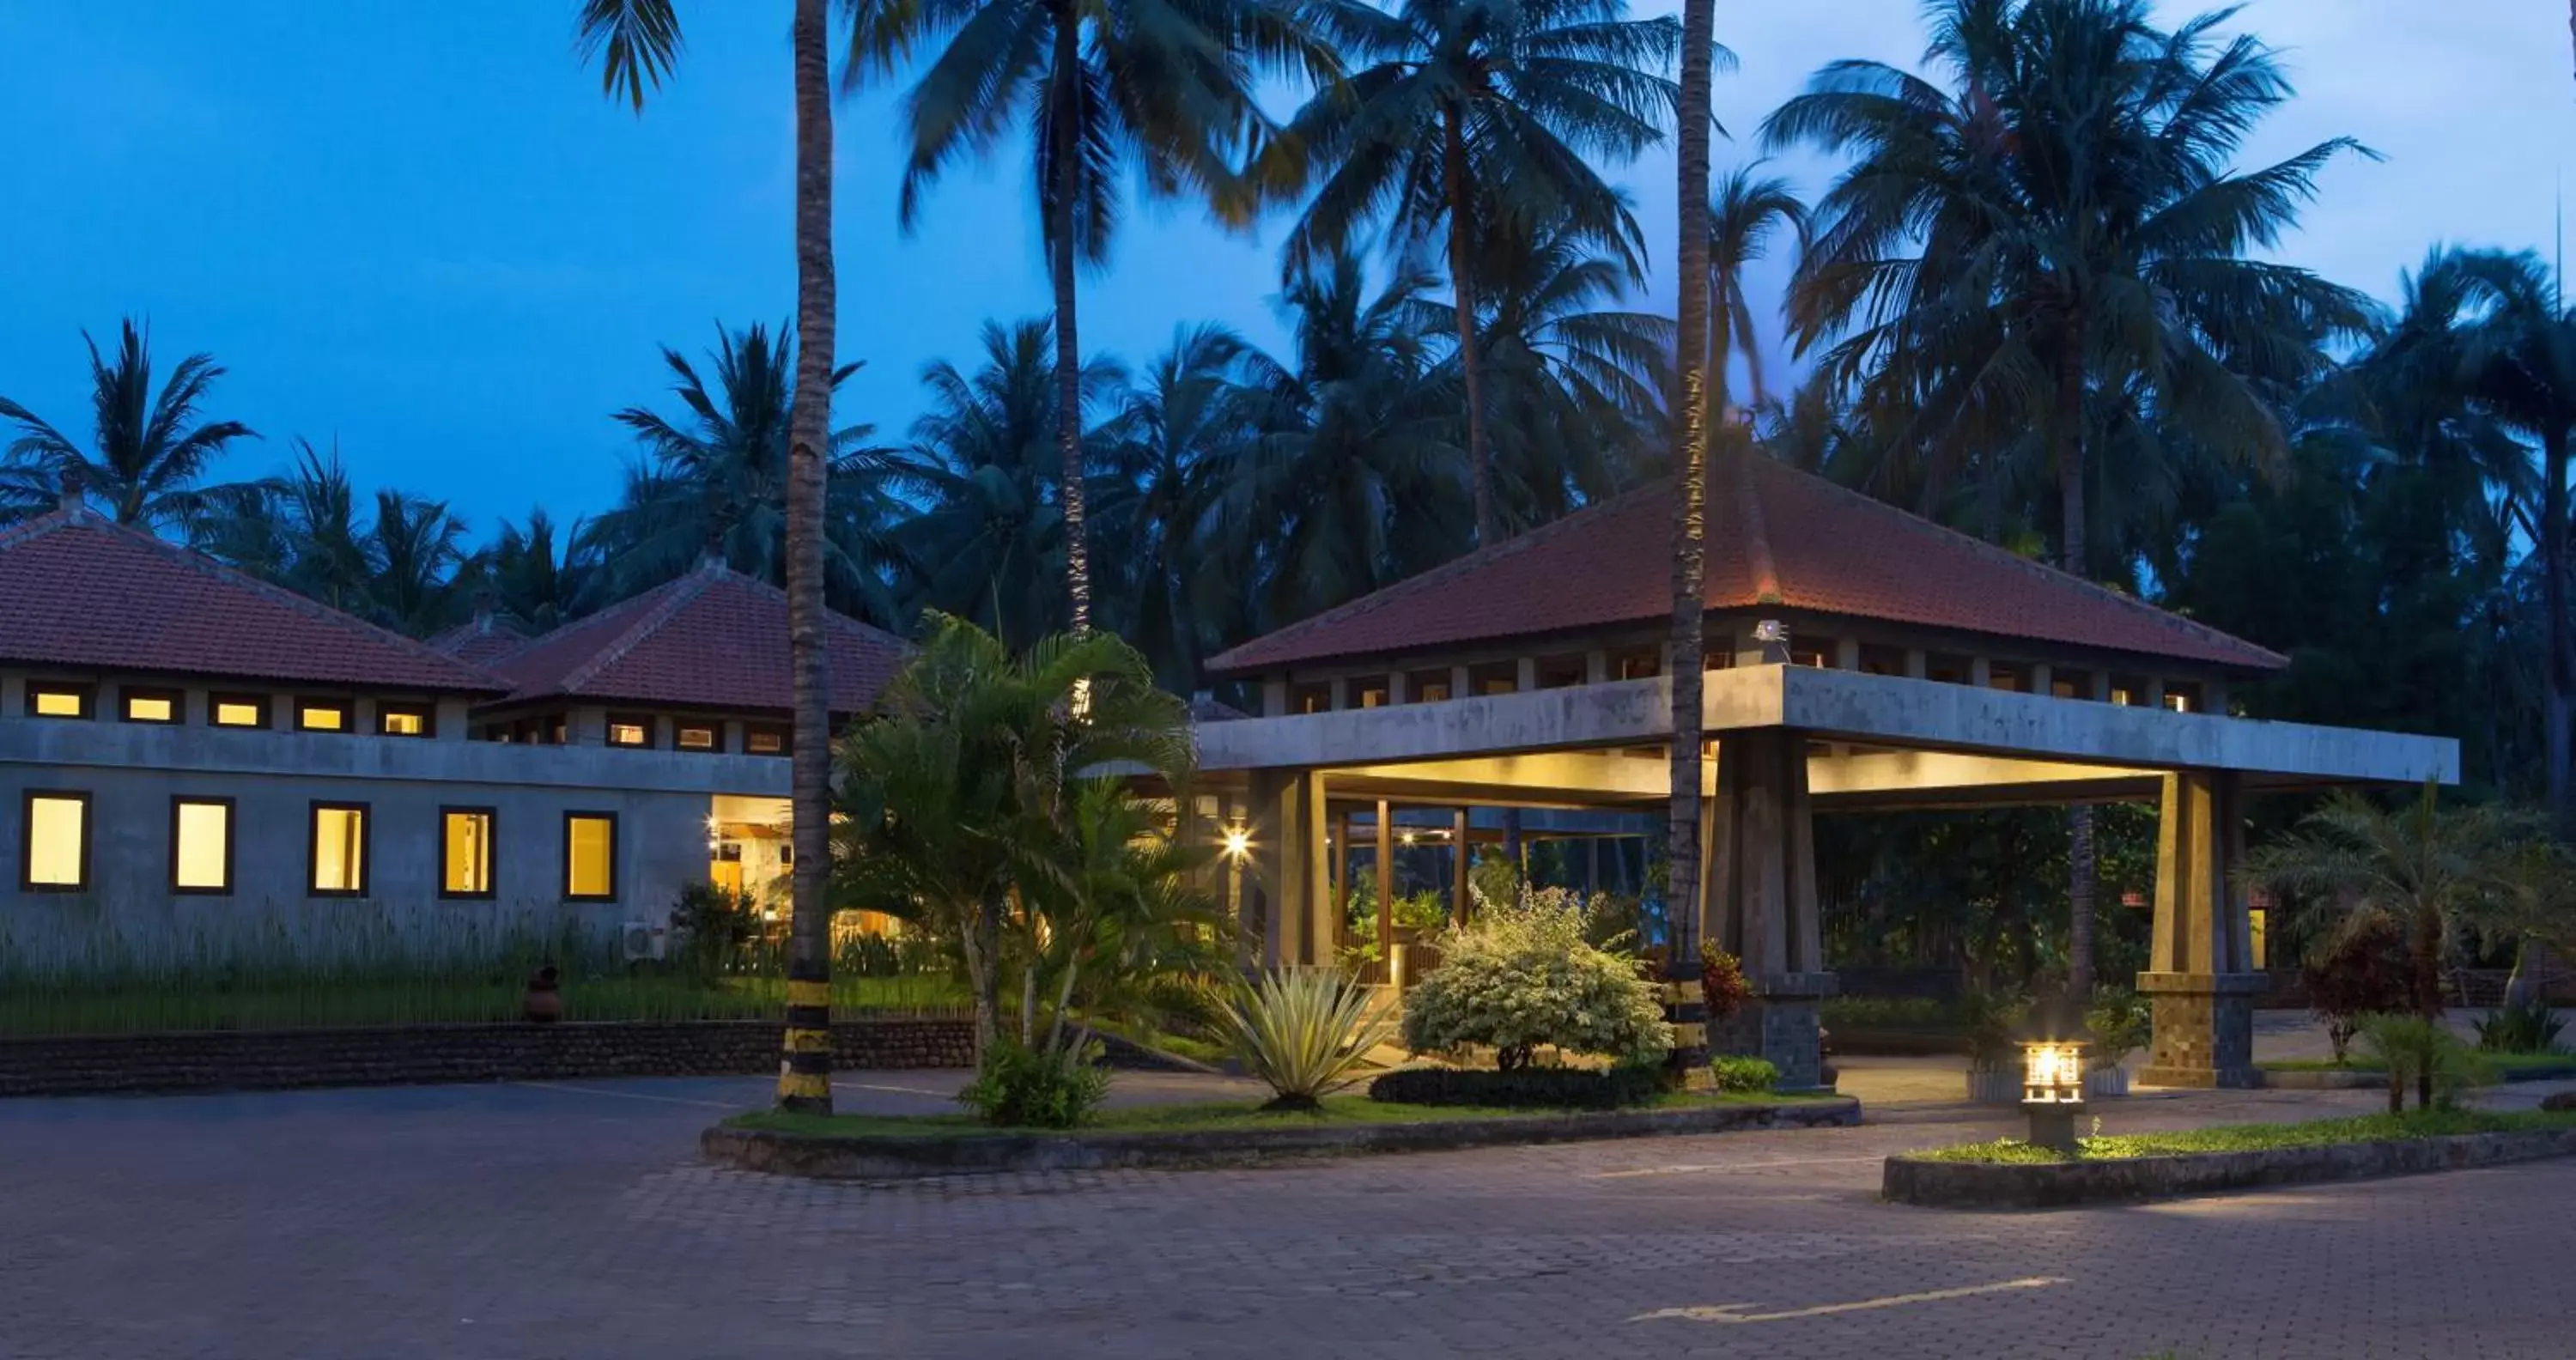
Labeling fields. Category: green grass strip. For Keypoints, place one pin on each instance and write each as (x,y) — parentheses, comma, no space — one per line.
(2374,1128)
(1338,1111)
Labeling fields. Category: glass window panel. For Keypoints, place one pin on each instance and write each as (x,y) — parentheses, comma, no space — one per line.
(322,717)
(468,854)
(697,739)
(151,708)
(590,853)
(239,713)
(764,741)
(623,732)
(339,849)
(57,826)
(404,722)
(201,847)
(57,702)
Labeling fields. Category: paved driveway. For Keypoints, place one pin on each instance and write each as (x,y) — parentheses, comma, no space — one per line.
(574,1220)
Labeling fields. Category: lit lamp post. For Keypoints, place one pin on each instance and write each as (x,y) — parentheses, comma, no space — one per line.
(2052,1091)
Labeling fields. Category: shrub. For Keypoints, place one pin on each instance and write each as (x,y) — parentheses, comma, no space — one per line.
(1019,1087)
(2525,1026)
(1993,1023)
(1888,1012)
(2120,1023)
(1303,1031)
(1752,1076)
(1566,1088)
(1721,982)
(2363,972)
(2424,1055)
(1523,975)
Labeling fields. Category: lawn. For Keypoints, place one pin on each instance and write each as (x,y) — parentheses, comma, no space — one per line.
(29,1008)
(2505,1063)
(2263,1137)
(1196,1118)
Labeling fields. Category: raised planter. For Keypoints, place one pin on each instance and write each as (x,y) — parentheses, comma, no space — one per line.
(2106,1081)
(2048,1185)
(255,1060)
(897,1158)
(1995,1088)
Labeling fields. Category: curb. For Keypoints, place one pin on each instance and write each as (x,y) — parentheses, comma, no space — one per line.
(899,1158)
(2052,1185)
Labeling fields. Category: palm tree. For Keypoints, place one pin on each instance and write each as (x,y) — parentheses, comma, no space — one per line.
(637,41)
(1742,216)
(530,580)
(956,799)
(1165,88)
(717,482)
(988,541)
(2432,872)
(2057,241)
(147,449)
(415,547)
(1458,101)
(1177,430)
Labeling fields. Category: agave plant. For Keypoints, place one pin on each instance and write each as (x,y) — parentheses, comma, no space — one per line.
(1304,1031)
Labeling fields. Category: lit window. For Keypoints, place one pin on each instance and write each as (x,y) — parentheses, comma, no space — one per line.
(321,715)
(201,845)
(402,720)
(339,850)
(697,738)
(55,855)
(151,705)
(465,854)
(2179,703)
(57,701)
(630,731)
(590,855)
(237,710)
(764,741)
(2120,695)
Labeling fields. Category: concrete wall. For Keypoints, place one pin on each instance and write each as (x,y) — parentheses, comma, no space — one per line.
(129,913)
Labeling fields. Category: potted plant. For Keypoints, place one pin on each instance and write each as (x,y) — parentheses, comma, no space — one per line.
(2120,1022)
(1994,1049)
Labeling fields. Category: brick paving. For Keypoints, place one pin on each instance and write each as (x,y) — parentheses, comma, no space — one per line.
(574,1220)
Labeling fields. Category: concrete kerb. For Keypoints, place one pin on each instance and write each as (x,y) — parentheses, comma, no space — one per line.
(2052,1185)
(869,1158)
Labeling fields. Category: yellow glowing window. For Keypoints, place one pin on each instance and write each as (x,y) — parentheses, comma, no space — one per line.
(201,845)
(697,739)
(151,706)
(465,837)
(57,701)
(238,710)
(2120,695)
(311,716)
(55,857)
(2179,703)
(764,741)
(590,855)
(402,722)
(628,732)
(339,850)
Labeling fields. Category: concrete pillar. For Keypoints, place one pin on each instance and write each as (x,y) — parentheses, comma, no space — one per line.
(2042,681)
(1981,672)
(1290,865)
(1761,900)
(2200,978)
(1274,698)
(1458,683)
(1917,666)
(1340,690)
(1596,666)
(1525,675)
(2155,695)
(1396,692)
(1846,654)
(2099,680)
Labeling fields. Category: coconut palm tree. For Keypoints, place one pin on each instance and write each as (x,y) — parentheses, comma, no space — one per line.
(530,580)
(636,43)
(147,449)
(1744,213)
(2057,237)
(1166,89)
(1457,101)
(717,481)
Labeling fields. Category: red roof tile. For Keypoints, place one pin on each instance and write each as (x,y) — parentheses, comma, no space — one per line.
(711,639)
(81,592)
(1777,537)
(482,639)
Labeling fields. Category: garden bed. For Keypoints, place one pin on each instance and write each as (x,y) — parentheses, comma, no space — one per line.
(2008,1174)
(860,1147)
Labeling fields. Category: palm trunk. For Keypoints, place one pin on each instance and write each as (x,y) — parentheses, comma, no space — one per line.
(1471,367)
(1068,347)
(2428,1001)
(805,1074)
(2068,457)
(981,944)
(2553,595)
(1713,399)
(1686,1005)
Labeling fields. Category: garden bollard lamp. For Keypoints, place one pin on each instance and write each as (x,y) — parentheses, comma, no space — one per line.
(2052,1090)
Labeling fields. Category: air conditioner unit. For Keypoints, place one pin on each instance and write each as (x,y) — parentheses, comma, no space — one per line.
(640,940)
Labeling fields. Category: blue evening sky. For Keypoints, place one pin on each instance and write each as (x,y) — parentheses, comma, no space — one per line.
(419,230)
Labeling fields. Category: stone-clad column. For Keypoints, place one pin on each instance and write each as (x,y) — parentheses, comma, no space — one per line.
(1760,901)
(1289,865)
(2201,978)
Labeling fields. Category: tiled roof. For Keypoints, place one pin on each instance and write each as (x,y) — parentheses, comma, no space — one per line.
(80,591)
(1777,537)
(480,640)
(711,639)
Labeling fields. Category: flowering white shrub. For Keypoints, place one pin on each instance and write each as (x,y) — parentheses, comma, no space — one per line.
(1522,974)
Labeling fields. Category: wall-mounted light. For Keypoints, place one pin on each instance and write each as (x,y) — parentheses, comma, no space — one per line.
(1236,842)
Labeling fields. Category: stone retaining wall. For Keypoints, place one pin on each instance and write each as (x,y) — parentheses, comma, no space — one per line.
(2047,1185)
(420,1054)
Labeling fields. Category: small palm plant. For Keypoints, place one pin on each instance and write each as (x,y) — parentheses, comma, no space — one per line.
(1305,1032)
